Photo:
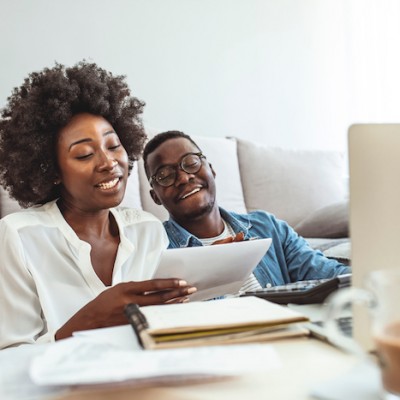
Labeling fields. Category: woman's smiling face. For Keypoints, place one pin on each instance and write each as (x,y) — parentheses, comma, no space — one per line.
(93,164)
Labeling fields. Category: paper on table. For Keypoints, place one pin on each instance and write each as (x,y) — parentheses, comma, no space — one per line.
(78,361)
(122,336)
(214,270)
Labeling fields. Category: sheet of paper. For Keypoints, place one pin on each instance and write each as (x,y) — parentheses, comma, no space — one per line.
(81,361)
(215,270)
(122,336)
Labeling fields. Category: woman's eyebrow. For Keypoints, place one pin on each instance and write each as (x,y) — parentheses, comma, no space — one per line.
(88,139)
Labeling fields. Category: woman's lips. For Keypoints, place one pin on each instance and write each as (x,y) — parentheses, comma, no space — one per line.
(108,185)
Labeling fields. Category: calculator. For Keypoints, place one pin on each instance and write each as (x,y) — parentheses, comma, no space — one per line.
(302,292)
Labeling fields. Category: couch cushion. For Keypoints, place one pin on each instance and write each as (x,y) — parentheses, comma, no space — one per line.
(290,183)
(339,249)
(132,194)
(222,154)
(327,222)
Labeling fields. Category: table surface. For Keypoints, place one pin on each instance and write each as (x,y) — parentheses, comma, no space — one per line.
(307,362)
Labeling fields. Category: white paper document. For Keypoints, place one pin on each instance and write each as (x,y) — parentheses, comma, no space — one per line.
(83,361)
(214,270)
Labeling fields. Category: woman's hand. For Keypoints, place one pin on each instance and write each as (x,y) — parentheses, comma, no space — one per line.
(107,309)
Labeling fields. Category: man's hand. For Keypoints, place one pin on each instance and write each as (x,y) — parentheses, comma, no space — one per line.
(238,238)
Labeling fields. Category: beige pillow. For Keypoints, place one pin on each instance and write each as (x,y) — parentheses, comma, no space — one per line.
(222,154)
(290,183)
(328,222)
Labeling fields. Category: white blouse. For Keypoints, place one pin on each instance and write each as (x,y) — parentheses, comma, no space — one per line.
(46,274)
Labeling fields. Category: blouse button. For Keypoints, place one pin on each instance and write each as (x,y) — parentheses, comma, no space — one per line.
(268,285)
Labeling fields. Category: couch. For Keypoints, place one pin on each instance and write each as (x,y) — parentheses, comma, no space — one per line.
(306,188)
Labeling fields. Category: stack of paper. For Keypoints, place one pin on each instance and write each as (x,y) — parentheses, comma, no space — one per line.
(227,321)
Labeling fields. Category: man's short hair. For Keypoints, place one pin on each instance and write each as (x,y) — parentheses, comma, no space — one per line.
(158,140)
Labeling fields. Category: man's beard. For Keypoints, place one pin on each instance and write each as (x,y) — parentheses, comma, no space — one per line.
(200,212)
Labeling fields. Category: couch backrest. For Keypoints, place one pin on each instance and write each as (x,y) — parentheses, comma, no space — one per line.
(292,184)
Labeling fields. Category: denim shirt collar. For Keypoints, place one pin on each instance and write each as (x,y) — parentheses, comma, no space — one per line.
(180,237)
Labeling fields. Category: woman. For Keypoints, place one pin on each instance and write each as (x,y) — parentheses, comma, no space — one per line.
(72,261)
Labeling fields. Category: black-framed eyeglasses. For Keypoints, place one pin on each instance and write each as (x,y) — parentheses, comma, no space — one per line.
(166,176)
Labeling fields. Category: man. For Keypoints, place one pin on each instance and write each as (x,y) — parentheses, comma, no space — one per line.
(182,180)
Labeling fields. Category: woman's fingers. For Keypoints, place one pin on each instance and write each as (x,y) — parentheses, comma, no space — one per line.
(167,296)
(184,299)
(154,285)
(156,291)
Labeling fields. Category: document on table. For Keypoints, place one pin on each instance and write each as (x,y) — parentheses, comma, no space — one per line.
(214,270)
(84,361)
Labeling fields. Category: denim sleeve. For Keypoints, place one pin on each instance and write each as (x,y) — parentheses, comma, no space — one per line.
(302,261)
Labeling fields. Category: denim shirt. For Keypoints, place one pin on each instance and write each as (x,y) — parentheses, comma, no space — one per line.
(289,259)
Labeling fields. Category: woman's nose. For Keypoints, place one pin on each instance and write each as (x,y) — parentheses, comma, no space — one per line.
(107,162)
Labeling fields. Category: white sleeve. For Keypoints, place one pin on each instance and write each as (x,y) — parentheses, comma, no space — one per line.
(20,309)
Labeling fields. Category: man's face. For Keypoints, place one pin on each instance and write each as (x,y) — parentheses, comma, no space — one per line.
(192,195)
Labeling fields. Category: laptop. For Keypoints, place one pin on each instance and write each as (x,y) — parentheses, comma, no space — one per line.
(374,164)
(374,168)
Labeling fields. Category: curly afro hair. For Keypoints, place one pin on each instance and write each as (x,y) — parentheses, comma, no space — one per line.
(45,103)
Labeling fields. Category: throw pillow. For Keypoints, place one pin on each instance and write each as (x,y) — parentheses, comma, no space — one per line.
(328,222)
(290,183)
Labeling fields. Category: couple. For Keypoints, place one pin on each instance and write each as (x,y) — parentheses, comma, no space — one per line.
(72,260)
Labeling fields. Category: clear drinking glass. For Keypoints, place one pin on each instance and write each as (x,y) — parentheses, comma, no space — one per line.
(381,296)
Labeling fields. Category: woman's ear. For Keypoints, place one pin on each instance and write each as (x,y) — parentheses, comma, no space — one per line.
(155,197)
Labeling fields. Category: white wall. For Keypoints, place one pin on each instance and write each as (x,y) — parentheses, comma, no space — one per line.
(291,73)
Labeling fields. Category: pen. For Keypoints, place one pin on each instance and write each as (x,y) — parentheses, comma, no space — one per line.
(139,323)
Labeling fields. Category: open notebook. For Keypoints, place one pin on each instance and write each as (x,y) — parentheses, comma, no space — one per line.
(226,321)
